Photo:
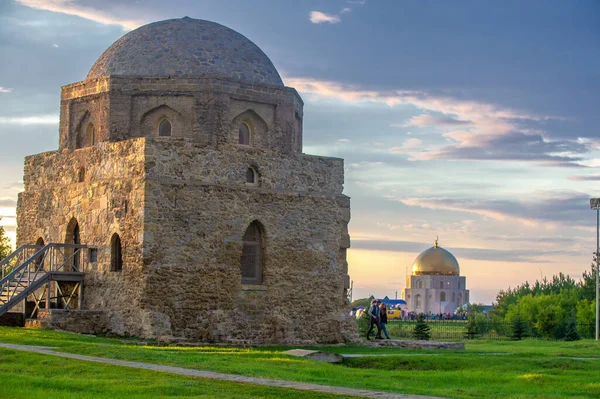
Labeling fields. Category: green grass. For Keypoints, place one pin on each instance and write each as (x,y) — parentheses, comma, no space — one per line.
(498,369)
(32,376)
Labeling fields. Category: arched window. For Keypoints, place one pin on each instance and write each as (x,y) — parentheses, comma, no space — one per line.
(81,174)
(244,133)
(418,302)
(441,284)
(164,128)
(442,296)
(90,133)
(73,237)
(252,254)
(116,254)
(459,299)
(420,284)
(40,244)
(454,297)
(251,176)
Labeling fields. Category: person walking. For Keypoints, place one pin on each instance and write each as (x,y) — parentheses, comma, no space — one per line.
(374,318)
(383,319)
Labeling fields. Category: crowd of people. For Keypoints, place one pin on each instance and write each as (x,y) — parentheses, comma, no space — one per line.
(436,316)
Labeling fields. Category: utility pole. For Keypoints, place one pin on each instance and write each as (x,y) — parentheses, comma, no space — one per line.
(595,205)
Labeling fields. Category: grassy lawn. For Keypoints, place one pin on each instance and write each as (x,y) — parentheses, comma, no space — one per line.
(32,376)
(493,369)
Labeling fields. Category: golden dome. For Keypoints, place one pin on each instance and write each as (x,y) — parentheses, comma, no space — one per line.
(436,261)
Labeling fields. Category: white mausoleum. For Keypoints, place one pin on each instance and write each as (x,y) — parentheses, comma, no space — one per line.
(435,284)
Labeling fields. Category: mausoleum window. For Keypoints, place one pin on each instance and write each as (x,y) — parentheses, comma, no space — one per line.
(441,284)
(165,128)
(252,255)
(244,133)
(116,254)
(251,176)
(418,302)
(420,284)
(442,296)
(454,297)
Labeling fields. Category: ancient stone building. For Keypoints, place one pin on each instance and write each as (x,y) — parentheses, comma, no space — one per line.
(435,284)
(181,167)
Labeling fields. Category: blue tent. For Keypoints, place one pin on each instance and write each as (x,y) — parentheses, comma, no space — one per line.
(393,303)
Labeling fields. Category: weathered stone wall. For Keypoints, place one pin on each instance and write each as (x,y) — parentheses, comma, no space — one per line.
(203,109)
(109,200)
(181,210)
(198,207)
(78,321)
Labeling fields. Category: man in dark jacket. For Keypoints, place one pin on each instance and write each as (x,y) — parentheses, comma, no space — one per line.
(375,319)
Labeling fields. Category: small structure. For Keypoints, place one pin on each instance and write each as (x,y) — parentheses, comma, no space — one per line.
(181,183)
(435,284)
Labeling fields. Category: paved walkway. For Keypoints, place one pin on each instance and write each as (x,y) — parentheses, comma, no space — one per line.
(219,376)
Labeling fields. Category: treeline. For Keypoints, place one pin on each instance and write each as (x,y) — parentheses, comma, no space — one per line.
(560,308)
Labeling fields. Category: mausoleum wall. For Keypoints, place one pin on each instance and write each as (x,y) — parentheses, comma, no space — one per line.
(102,189)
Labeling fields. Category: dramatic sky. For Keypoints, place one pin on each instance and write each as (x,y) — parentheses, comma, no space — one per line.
(474,121)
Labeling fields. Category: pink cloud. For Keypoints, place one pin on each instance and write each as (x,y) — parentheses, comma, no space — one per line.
(70,7)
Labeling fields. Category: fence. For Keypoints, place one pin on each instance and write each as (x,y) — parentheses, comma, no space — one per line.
(458,330)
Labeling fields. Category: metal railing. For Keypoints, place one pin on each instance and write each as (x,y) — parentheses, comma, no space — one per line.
(459,330)
(28,268)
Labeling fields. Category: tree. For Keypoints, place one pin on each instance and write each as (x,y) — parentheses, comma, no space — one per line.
(422,329)
(5,247)
(571,333)
(518,327)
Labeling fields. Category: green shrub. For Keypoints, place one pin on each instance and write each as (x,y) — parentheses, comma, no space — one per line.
(518,328)
(571,333)
(422,329)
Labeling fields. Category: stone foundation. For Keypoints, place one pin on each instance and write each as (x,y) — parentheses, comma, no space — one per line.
(77,321)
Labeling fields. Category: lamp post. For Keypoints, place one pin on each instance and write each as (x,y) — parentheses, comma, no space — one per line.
(595,204)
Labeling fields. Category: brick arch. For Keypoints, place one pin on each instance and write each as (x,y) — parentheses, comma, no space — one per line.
(152,118)
(258,128)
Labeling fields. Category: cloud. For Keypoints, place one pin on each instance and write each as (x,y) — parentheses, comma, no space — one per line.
(55,45)
(318,17)
(494,255)
(5,90)
(71,7)
(8,202)
(410,145)
(547,209)
(429,120)
(29,120)
(585,178)
(345,10)
(488,131)
(344,140)
(513,147)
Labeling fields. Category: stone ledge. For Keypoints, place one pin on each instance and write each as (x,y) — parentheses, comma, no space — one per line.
(393,343)
(253,287)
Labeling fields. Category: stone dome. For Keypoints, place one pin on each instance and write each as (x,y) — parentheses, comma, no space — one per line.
(187,47)
(436,261)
